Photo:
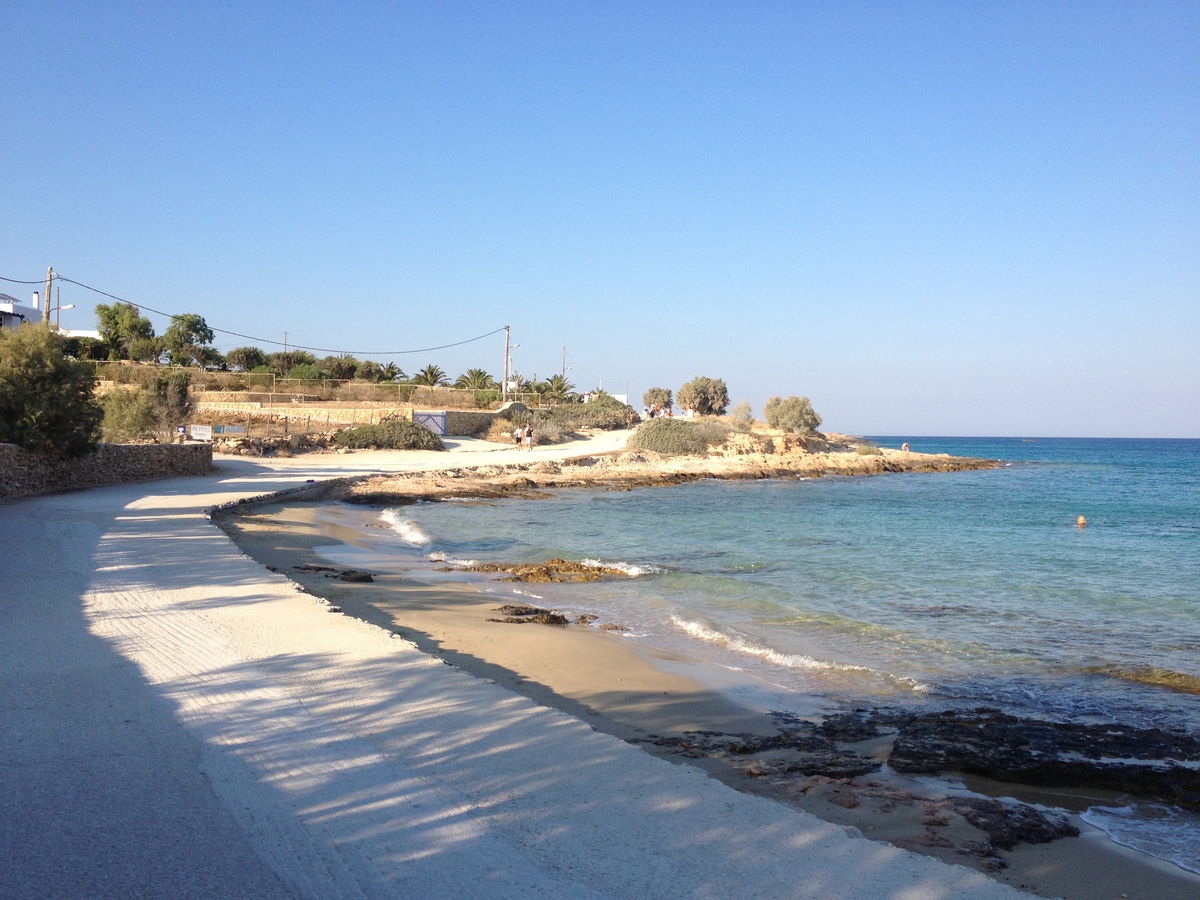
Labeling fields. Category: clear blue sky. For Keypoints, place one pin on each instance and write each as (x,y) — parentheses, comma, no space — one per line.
(930,218)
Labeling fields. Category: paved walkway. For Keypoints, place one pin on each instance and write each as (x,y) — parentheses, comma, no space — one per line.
(175,720)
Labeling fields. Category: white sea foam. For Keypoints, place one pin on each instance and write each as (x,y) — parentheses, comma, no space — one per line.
(737,644)
(629,569)
(530,594)
(439,556)
(408,530)
(1160,831)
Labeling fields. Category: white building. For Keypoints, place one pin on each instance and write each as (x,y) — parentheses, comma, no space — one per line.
(13,312)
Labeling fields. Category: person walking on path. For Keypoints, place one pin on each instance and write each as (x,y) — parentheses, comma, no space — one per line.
(529,438)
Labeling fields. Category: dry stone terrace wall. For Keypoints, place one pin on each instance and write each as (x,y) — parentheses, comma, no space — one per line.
(25,474)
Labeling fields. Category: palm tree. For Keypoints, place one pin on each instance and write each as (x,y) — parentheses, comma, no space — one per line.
(476,380)
(392,372)
(431,376)
(557,387)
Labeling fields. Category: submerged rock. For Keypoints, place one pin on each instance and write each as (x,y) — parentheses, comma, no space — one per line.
(554,570)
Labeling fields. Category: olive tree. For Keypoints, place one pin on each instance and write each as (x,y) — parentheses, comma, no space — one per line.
(791,414)
(122,326)
(707,396)
(656,396)
(46,397)
(187,341)
(246,358)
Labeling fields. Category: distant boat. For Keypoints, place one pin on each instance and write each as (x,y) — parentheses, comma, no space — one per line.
(1028,441)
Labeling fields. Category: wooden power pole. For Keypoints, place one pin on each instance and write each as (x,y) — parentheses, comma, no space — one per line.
(46,300)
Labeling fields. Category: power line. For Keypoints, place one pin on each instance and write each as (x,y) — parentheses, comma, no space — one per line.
(260,340)
(17,281)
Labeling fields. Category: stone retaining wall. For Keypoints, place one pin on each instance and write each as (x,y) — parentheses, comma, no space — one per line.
(25,474)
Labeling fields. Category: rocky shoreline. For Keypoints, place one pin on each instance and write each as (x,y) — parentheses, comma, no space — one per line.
(843,756)
(626,470)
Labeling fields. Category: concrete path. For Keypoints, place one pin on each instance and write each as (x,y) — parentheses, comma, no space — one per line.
(175,720)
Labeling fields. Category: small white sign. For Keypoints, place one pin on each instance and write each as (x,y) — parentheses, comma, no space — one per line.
(201,432)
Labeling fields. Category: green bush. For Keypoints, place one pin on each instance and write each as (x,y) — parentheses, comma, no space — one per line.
(129,415)
(46,397)
(868,450)
(678,437)
(394,434)
(604,411)
(793,414)
(484,399)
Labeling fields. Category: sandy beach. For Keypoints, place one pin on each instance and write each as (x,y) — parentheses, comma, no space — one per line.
(185,716)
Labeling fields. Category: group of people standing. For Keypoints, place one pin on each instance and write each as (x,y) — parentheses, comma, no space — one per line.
(523,436)
(656,412)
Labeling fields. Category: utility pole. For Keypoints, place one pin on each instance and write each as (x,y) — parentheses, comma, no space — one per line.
(504,389)
(46,302)
(564,369)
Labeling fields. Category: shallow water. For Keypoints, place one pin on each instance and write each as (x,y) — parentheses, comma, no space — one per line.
(946,589)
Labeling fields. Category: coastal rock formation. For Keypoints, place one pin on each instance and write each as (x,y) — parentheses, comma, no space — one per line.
(523,615)
(1147,762)
(842,759)
(555,570)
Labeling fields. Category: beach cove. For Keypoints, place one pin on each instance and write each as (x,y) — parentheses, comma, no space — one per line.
(635,691)
(146,657)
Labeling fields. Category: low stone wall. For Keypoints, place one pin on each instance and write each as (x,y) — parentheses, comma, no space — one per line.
(25,474)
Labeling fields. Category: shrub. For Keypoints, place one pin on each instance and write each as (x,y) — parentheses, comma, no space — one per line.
(707,396)
(129,415)
(307,372)
(678,437)
(394,434)
(743,416)
(793,414)
(868,450)
(484,399)
(604,411)
(171,401)
(46,397)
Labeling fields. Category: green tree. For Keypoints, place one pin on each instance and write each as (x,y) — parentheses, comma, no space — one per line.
(286,361)
(431,376)
(147,350)
(340,367)
(246,358)
(392,372)
(558,388)
(791,414)
(369,370)
(187,340)
(657,396)
(707,396)
(46,397)
(476,380)
(85,348)
(121,325)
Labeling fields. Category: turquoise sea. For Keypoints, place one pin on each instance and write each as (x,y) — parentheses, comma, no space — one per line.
(945,590)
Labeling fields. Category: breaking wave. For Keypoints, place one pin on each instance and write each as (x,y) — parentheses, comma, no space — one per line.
(789,660)
(406,529)
(629,569)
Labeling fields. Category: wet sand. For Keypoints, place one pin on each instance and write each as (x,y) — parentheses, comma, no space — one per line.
(633,692)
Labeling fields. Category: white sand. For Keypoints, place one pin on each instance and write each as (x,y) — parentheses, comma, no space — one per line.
(177,720)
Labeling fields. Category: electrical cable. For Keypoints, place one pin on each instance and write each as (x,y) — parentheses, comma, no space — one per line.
(159,312)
